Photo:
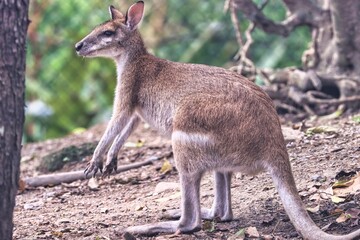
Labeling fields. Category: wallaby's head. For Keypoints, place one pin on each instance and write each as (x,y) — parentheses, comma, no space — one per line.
(114,37)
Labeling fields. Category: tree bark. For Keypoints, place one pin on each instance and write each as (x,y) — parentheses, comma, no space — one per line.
(13,27)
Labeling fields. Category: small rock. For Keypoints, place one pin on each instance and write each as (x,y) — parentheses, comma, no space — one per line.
(33,205)
(104,225)
(93,184)
(291,135)
(63,220)
(252,232)
(163,186)
(104,210)
(144,176)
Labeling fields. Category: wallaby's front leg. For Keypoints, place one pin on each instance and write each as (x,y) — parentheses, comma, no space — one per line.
(190,220)
(111,160)
(116,124)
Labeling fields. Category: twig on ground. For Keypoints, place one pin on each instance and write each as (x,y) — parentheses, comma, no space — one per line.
(57,178)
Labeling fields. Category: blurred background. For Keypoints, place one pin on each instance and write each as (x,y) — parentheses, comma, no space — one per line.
(66,93)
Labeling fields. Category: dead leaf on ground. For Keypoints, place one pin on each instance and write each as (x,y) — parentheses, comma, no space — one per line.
(313,209)
(208,226)
(166,167)
(347,187)
(352,214)
(57,234)
(333,115)
(356,119)
(336,199)
(240,235)
(137,144)
(321,129)
(342,218)
(22,185)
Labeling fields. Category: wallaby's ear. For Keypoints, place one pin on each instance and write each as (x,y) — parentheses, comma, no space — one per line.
(134,14)
(115,14)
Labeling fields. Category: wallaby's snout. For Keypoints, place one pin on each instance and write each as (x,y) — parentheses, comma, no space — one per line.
(78,46)
(115,37)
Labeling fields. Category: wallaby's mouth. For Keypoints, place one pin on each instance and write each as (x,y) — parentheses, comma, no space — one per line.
(83,50)
(86,52)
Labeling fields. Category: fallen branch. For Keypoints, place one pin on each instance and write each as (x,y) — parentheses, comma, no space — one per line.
(54,179)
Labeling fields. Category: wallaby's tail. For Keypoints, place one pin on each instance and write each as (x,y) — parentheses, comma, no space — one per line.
(285,184)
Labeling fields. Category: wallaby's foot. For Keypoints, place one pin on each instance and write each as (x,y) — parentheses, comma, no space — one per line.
(206,214)
(110,166)
(163,227)
(93,167)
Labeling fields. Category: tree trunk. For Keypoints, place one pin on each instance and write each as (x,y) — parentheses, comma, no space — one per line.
(13,27)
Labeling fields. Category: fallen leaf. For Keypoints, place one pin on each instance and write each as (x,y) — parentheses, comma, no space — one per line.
(22,185)
(57,234)
(343,218)
(354,215)
(252,232)
(321,129)
(344,183)
(240,234)
(356,119)
(313,209)
(208,226)
(137,144)
(166,167)
(343,189)
(336,199)
(333,115)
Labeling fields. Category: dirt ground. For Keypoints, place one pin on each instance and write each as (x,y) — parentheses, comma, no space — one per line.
(100,209)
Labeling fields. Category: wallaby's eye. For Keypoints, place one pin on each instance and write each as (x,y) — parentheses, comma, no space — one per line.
(108,33)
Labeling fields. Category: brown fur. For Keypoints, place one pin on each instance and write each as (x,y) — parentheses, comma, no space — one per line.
(218,121)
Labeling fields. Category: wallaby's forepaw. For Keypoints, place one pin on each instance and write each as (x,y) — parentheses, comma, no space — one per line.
(109,167)
(93,167)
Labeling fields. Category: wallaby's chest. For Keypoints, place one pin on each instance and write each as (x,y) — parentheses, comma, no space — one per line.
(158,116)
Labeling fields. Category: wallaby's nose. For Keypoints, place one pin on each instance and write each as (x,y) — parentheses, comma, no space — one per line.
(78,46)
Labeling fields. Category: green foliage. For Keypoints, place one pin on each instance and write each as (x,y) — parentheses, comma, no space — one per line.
(79,91)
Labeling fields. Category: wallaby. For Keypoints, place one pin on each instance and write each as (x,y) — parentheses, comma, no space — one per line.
(217,120)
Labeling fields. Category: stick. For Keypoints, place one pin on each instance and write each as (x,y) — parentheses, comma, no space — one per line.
(57,178)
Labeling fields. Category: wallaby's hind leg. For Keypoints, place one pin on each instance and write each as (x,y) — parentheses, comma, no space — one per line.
(221,207)
(190,220)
